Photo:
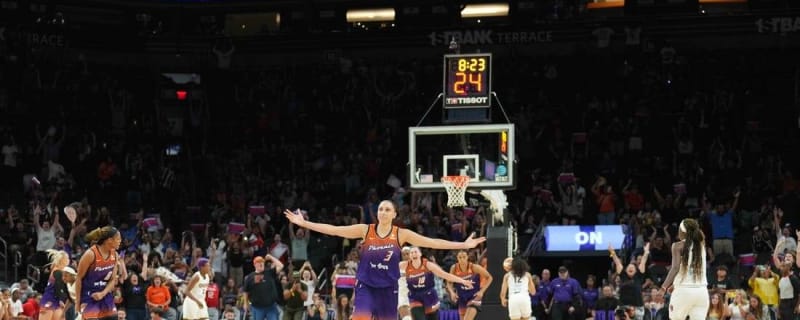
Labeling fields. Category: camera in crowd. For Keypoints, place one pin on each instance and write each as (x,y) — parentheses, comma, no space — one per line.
(624,313)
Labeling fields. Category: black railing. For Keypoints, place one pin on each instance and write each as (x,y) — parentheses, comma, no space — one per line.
(4,259)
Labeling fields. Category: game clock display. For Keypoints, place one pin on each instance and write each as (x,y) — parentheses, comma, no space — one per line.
(467,80)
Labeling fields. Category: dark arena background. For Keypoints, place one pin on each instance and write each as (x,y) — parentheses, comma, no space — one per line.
(580,129)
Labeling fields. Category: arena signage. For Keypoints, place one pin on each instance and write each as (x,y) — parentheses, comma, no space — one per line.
(489,37)
(583,238)
(780,25)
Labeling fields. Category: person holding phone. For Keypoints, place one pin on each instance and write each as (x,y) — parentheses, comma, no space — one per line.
(317,310)
(379,261)
(764,283)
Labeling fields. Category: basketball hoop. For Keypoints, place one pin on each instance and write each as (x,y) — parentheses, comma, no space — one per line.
(456,187)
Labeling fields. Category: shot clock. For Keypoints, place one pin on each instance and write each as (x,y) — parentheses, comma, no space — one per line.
(467,80)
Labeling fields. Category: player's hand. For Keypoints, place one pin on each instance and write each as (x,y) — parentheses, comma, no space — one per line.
(293,217)
(454,298)
(478,296)
(97,296)
(504,302)
(571,309)
(473,242)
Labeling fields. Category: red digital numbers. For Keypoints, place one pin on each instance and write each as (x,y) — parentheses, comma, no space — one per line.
(475,80)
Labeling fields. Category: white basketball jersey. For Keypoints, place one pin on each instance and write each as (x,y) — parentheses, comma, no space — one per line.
(199,290)
(686,277)
(517,286)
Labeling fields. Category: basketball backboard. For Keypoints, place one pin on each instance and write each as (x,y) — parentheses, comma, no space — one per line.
(485,152)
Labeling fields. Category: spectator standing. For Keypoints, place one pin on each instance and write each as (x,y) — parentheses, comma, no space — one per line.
(721,221)
(788,289)
(212,299)
(605,199)
(309,278)
(134,292)
(45,232)
(764,284)
(236,262)
(295,293)
(299,249)
(260,293)
(631,281)
(218,249)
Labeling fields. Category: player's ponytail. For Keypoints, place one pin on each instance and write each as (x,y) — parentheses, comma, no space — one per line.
(100,235)
(693,245)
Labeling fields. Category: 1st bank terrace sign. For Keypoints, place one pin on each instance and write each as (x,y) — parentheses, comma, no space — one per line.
(489,37)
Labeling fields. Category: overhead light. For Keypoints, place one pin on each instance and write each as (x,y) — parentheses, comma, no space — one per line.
(370,15)
(483,10)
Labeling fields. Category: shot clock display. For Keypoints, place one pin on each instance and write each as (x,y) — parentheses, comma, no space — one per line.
(467,80)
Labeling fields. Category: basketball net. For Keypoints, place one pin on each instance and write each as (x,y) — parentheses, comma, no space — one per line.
(456,187)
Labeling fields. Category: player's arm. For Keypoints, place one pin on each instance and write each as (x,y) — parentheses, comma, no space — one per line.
(676,264)
(504,291)
(356,231)
(437,270)
(188,292)
(83,267)
(450,289)
(531,285)
(408,236)
(488,280)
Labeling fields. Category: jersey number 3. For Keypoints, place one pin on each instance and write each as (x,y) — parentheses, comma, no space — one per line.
(388,256)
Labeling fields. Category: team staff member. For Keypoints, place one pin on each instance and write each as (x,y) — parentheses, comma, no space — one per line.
(566,294)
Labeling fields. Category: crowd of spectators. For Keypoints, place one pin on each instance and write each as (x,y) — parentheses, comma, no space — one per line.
(642,138)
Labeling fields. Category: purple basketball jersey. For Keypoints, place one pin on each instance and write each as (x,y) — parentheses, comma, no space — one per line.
(379,266)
